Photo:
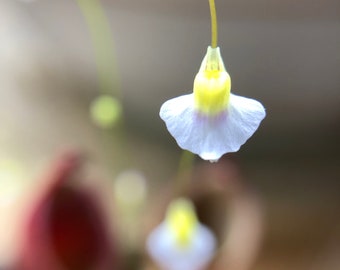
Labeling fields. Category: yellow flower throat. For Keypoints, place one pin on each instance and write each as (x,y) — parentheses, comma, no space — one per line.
(212,84)
(182,221)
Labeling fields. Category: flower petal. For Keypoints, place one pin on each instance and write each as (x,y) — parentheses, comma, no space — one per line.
(212,136)
(163,249)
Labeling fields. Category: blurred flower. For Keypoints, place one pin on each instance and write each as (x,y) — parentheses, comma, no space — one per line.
(211,121)
(130,188)
(130,193)
(66,229)
(181,242)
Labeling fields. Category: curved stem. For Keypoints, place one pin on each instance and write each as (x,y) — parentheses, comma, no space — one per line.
(184,172)
(213,23)
(107,70)
(100,34)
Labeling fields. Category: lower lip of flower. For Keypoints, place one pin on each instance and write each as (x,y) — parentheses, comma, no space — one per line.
(212,92)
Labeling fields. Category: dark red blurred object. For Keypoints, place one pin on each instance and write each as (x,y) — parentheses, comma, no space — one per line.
(66,229)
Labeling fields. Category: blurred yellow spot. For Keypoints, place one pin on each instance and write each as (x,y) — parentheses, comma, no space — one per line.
(130,188)
(11,177)
(212,84)
(182,221)
(106,111)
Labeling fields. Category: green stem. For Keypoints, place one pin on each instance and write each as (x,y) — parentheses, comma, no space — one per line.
(213,23)
(184,172)
(108,79)
(103,46)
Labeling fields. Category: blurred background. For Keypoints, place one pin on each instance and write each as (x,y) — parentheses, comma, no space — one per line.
(284,53)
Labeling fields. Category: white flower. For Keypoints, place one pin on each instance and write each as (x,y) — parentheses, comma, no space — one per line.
(211,121)
(181,242)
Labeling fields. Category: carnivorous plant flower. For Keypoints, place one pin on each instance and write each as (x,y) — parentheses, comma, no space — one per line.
(212,121)
(181,242)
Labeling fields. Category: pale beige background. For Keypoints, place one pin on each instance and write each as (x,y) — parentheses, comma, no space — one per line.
(283,53)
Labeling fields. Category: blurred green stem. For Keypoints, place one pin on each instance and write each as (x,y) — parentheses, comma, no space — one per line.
(108,79)
(184,172)
(103,46)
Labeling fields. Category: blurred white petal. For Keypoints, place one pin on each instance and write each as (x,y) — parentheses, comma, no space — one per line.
(165,251)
